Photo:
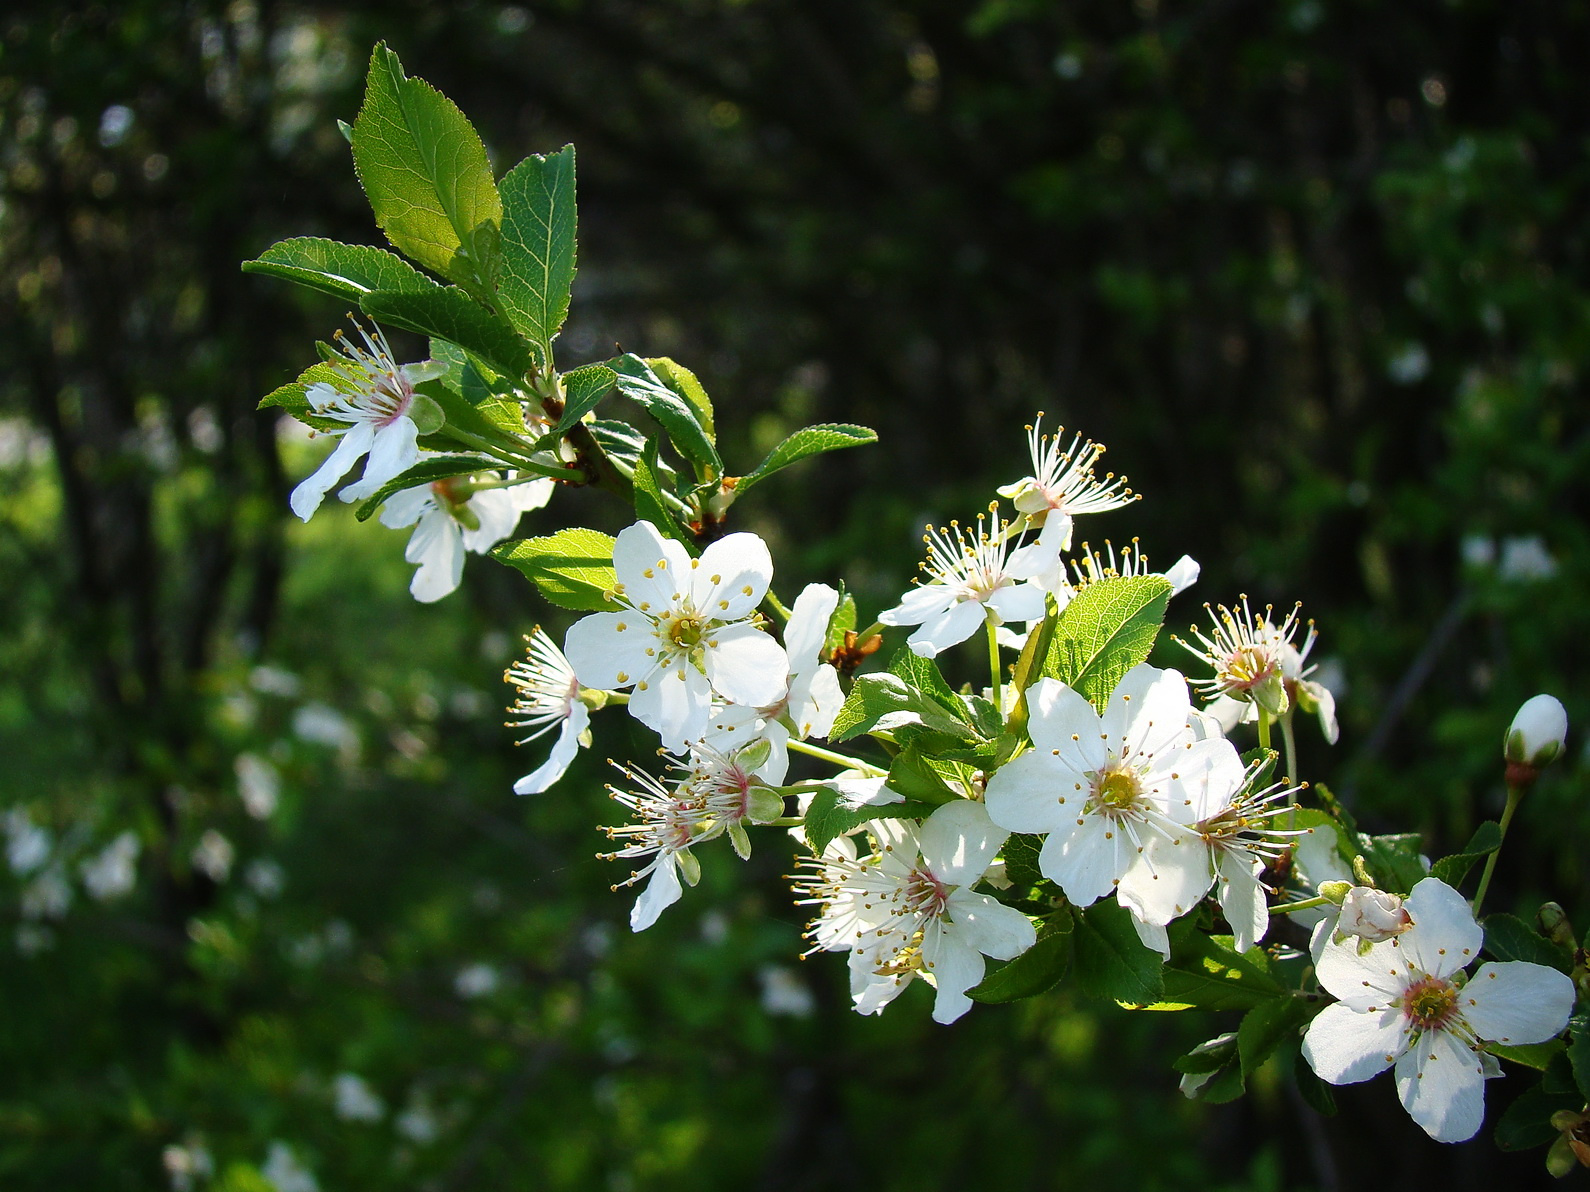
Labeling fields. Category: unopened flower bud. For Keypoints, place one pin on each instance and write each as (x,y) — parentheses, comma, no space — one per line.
(1372,915)
(1538,733)
(1554,925)
(1334,891)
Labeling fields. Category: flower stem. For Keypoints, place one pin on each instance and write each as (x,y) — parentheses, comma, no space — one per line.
(1289,741)
(1514,795)
(993,657)
(839,759)
(1306,904)
(1264,729)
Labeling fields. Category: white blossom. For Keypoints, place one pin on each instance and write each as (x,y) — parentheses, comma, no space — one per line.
(1247,653)
(114,870)
(549,697)
(908,909)
(1062,487)
(685,632)
(1405,1002)
(450,517)
(1538,734)
(375,397)
(354,1100)
(970,581)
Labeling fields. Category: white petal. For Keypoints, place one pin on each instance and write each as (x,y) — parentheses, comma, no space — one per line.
(951,627)
(1516,1002)
(808,624)
(1345,1046)
(1021,796)
(1442,1086)
(1019,602)
(956,967)
(746,666)
(675,703)
(1084,860)
(1183,574)
(438,548)
(653,570)
(609,649)
(563,751)
(497,510)
(1168,878)
(1061,719)
(990,926)
(1444,936)
(661,892)
(918,605)
(312,490)
(1149,709)
(393,452)
(1242,897)
(732,576)
(1153,935)
(1208,776)
(1377,978)
(958,841)
(406,507)
(815,700)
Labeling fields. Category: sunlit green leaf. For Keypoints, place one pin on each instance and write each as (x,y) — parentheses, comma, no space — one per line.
(342,270)
(573,568)
(806,442)
(1105,631)
(538,245)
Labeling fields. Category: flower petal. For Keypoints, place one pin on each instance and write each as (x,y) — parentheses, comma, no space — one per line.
(652,569)
(990,926)
(1018,602)
(1168,877)
(1148,712)
(609,649)
(1441,1082)
(958,841)
(312,490)
(1242,897)
(406,507)
(393,452)
(675,702)
(1376,978)
(661,892)
(563,751)
(918,605)
(731,577)
(1345,1046)
(746,666)
(1444,936)
(808,625)
(950,627)
(1084,859)
(955,965)
(438,548)
(1022,794)
(1516,1002)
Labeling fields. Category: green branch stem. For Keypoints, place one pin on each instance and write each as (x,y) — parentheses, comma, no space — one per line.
(1515,795)
(838,759)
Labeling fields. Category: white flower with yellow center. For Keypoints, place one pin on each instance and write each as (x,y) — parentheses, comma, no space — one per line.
(970,581)
(549,697)
(375,396)
(908,908)
(1102,788)
(1405,1002)
(685,632)
(1063,487)
(1249,655)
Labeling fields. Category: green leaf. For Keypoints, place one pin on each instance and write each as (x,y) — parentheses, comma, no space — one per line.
(876,695)
(1036,970)
(426,174)
(573,568)
(290,398)
(1105,631)
(1215,1061)
(451,314)
(1531,1055)
(673,413)
(538,227)
(583,389)
(1316,1093)
(808,441)
(1394,861)
(1579,1057)
(683,382)
(1207,974)
(342,270)
(844,619)
(923,674)
(1527,1122)
(1453,869)
(827,817)
(912,775)
(1267,1026)
(430,468)
(1021,859)
(1507,937)
(649,503)
(1111,962)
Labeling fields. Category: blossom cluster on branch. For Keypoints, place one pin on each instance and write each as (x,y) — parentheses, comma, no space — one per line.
(1082,818)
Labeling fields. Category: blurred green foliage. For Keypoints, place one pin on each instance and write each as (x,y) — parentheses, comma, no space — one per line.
(1315,272)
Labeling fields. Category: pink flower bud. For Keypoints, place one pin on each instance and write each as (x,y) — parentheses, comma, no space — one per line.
(1372,915)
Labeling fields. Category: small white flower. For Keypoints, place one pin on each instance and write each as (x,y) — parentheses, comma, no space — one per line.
(286,1172)
(686,632)
(909,910)
(970,581)
(114,871)
(1062,486)
(1248,654)
(354,1100)
(1371,915)
(374,396)
(1538,734)
(450,518)
(1102,787)
(1405,1002)
(549,695)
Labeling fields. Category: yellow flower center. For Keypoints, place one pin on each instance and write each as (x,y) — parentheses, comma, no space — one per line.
(1430,1003)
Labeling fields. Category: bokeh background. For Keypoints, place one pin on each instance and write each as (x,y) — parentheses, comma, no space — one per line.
(1315,270)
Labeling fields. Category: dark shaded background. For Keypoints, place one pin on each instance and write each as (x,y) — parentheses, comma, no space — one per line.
(1314,271)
